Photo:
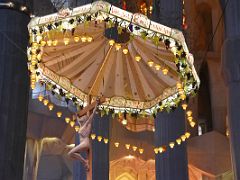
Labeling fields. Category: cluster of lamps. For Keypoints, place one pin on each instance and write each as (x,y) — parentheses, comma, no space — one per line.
(138,58)
(99,138)
(191,122)
(67,40)
(144,9)
(171,145)
(59,114)
(151,63)
(140,150)
(189,113)
(34,59)
(128,146)
(118,46)
(181,93)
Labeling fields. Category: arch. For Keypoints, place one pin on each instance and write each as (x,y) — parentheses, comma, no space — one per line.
(126,176)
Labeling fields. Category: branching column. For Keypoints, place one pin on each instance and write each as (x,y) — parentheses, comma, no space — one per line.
(100,150)
(79,171)
(231,71)
(14,89)
(168,12)
(171,164)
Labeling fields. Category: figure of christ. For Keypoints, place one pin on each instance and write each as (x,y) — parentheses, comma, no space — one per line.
(85,123)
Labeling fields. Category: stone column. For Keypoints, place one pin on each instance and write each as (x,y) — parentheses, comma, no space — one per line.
(171,164)
(14,89)
(79,171)
(168,12)
(168,126)
(231,71)
(100,150)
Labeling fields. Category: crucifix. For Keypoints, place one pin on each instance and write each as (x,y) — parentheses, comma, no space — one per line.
(85,121)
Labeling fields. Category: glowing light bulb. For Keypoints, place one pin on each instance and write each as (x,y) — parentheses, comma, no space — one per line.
(161,149)
(187,134)
(127,146)
(111,42)
(59,114)
(138,58)
(34,60)
(49,42)
(134,148)
(23,8)
(105,140)
(165,71)
(33,50)
(141,150)
(125,51)
(89,39)
(153,129)
(40,97)
(189,113)
(45,102)
(183,137)
(157,67)
(179,85)
(183,96)
(72,123)
(116,144)
(34,45)
(83,39)
(171,145)
(93,136)
(156,150)
(184,106)
(124,122)
(77,128)
(180,91)
(10,4)
(39,56)
(66,41)
(192,124)
(99,138)
(43,43)
(190,118)
(118,46)
(55,42)
(150,63)
(33,85)
(50,107)
(178,141)
(67,120)
(33,77)
(76,38)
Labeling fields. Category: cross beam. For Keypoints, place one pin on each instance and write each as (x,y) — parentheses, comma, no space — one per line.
(90,107)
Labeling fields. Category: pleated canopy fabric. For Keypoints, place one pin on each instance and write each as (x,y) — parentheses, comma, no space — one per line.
(97,68)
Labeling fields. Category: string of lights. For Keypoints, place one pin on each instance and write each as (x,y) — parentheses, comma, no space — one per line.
(101,139)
